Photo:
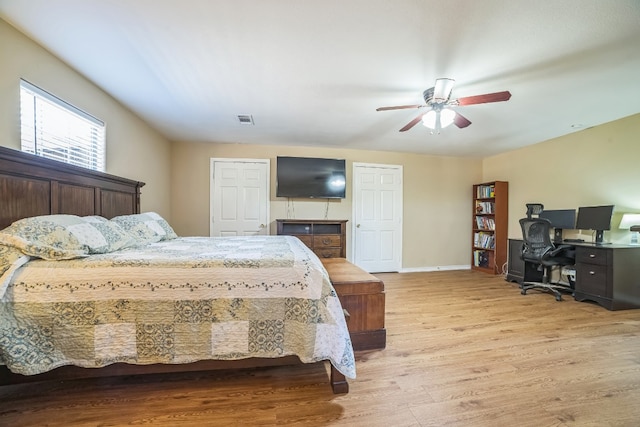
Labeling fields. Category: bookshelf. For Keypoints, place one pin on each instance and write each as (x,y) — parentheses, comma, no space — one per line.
(490,223)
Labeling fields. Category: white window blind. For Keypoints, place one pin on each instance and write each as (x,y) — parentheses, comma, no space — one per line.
(53,128)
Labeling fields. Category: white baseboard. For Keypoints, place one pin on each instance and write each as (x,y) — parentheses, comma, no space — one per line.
(436,268)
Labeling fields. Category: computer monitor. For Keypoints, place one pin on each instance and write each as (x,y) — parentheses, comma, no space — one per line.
(560,219)
(596,218)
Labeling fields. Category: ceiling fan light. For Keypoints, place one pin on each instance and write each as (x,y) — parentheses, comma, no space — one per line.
(446,117)
(429,119)
(443,90)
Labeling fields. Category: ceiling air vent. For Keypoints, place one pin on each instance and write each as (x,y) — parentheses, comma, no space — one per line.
(245,119)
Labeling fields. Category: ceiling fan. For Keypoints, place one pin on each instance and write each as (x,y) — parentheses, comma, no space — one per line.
(438,98)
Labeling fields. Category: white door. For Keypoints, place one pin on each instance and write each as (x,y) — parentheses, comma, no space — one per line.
(377,217)
(239,197)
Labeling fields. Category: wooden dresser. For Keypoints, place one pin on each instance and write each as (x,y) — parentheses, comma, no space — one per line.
(362,296)
(327,238)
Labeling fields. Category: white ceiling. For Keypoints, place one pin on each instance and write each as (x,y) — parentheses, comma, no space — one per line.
(312,73)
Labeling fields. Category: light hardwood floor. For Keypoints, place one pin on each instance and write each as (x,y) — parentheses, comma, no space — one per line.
(463,349)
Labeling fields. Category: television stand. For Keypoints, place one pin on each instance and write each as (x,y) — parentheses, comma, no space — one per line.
(325,237)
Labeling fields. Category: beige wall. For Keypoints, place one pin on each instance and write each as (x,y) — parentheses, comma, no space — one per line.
(591,167)
(134,150)
(597,166)
(437,196)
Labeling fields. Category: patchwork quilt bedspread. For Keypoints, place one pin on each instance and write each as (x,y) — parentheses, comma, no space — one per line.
(175,301)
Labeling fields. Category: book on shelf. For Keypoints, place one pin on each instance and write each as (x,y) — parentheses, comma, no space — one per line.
(480,259)
(485,207)
(484,240)
(484,223)
(485,191)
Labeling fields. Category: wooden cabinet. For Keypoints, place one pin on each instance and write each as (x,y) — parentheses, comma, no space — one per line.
(608,275)
(490,226)
(327,238)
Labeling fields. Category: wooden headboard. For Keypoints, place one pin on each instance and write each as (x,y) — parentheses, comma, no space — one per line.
(31,185)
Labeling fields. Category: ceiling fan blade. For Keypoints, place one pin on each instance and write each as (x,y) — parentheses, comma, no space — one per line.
(461,121)
(412,123)
(443,90)
(483,99)
(399,107)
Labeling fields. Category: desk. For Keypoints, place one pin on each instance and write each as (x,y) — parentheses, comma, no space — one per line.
(608,275)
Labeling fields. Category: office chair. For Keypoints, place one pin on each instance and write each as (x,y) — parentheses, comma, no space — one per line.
(538,248)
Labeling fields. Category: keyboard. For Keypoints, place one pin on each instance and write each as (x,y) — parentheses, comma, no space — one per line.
(574,240)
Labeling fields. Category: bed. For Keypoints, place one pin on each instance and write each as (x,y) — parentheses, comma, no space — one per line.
(135,306)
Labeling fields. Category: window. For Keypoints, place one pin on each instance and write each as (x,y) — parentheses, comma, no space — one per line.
(53,128)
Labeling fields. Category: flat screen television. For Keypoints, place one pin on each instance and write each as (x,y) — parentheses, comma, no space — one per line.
(561,219)
(310,177)
(596,218)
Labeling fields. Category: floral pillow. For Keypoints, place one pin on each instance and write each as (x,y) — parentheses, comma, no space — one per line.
(101,235)
(44,237)
(148,227)
(65,236)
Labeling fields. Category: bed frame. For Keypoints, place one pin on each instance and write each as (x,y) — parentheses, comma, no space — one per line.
(32,186)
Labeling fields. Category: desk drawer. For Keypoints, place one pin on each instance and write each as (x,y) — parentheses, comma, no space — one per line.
(591,256)
(593,279)
(326,241)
